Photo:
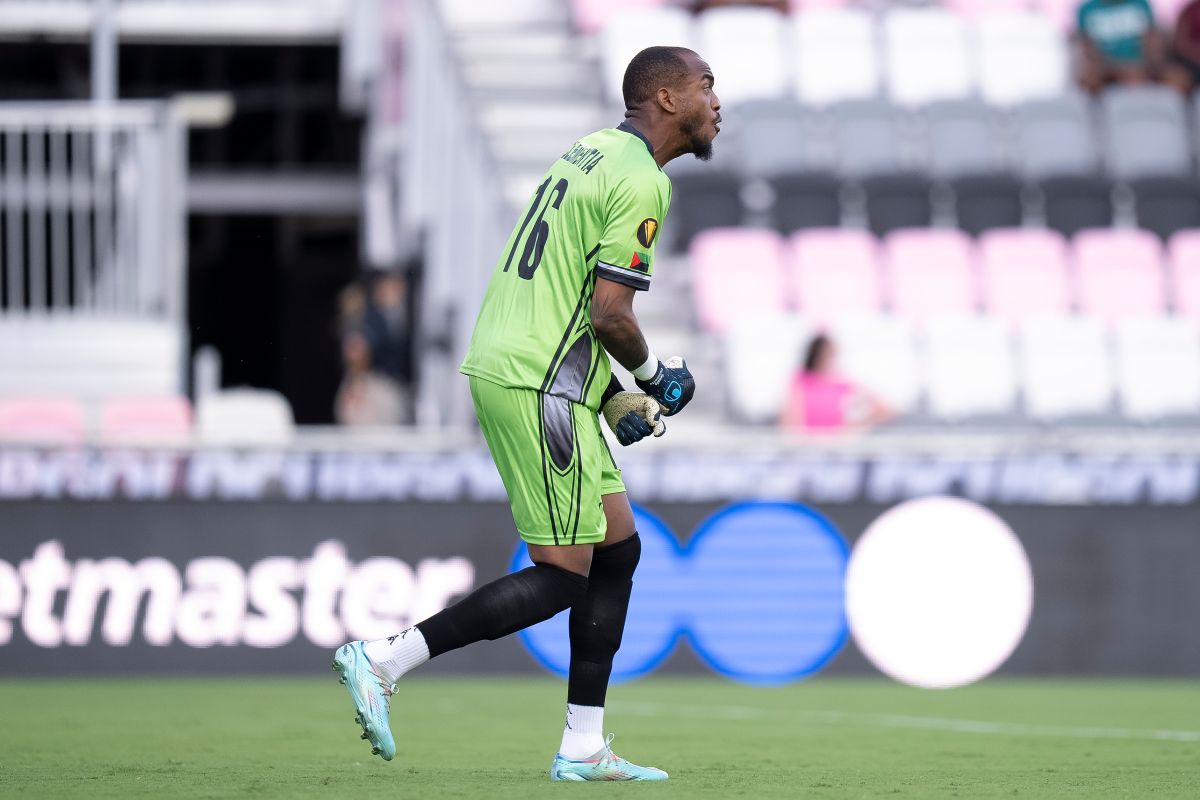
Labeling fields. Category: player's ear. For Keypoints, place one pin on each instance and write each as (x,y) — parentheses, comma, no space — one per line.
(666,100)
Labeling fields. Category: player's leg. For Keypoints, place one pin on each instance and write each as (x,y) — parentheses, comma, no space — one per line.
(596,625)
(555,503)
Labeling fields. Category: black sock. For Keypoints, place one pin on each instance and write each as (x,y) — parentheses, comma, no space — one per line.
(598,620)
(504,606)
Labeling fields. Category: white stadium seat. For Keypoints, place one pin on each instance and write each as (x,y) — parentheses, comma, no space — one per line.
(762,355)
(1158,367)
(234,417)
(969,367)
(745,48)
(1020,57)
(632,30)
(1065,367)
(879,353)
(927,56)
(834,56)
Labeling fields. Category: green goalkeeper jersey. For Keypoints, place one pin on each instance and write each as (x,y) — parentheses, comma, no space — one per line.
(596,213)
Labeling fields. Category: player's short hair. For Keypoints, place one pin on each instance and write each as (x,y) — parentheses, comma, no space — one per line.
(652,69)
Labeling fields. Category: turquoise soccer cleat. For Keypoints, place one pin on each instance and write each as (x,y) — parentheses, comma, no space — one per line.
(370,693)
(604,766)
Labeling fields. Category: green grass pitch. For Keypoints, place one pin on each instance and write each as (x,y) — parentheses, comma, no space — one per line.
(494,738)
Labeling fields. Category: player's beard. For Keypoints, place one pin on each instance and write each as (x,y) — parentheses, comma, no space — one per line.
(692,128)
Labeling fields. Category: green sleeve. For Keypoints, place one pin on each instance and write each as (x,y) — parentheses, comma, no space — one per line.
(634,214)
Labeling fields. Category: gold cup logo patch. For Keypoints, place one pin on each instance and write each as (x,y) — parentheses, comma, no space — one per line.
(646,231)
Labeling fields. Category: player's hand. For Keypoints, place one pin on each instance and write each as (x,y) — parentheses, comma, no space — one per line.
(672,385)
(633,416)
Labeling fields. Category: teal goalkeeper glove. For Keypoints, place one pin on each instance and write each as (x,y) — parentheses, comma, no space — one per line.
(633,416)
(672,385)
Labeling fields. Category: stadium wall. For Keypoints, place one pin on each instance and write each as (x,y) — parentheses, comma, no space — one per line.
(258,582)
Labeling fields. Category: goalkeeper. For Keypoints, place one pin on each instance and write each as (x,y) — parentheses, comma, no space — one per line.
(559,304)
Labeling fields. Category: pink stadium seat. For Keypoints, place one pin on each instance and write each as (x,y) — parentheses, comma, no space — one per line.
(42,420)
(975,8)
(1063,13)
(736,273)
(833,273)
(1119,274)
(929,273)
(146,420)
(590,15)
(1185,273)
(1023,274)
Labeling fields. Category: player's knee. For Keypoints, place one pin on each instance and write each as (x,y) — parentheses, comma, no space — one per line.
(619,561)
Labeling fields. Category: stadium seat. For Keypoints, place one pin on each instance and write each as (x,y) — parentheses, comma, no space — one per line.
(774,137)
(1166,12)
(898,201)
(762,354)
(590,16)
(1020,56)
(929,273)
(236,417)
(1065,368)
(160,420)
(42,420)
(1158,367)
(745,48)
(868,138)
(969,369)
(879,352)
(965,138)
(976,8)
(736,273)
(1064,14)
(834,273)
(631,30)
(834,56)
(1055,137)
(987,202)
(1023,273)
(702,199)
(1167,204)
(1073,203)
(1184,249)
(1146,131)
(809,200)
(1119,274)
(927,56)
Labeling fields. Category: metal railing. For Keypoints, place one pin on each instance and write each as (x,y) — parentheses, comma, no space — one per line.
(91,209)
(451,202)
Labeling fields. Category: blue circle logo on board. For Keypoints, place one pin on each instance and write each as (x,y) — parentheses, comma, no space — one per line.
(758,593)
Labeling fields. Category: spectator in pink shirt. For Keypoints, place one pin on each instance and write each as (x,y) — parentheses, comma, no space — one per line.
(820,399)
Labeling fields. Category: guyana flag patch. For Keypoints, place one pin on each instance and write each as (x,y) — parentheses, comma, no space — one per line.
(640,262)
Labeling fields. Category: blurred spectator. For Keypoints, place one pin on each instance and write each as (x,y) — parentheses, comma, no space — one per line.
(703,5)
(386,323)
(820,399)
(366,397)
(1186,44)
(1120,44)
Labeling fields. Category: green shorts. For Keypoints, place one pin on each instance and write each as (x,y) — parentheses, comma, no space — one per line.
(553,460)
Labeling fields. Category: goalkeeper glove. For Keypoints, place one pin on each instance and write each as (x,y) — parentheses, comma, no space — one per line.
(672,385)
(632,415)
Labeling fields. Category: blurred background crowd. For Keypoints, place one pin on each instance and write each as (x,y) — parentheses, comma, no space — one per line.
(222,220)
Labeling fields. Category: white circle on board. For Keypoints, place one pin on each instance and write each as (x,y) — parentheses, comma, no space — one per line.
(938,592)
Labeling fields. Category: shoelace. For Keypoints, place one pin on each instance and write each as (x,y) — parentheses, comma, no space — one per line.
(609,756)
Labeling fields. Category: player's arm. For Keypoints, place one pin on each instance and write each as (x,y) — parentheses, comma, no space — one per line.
(617,328)
(624,266)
